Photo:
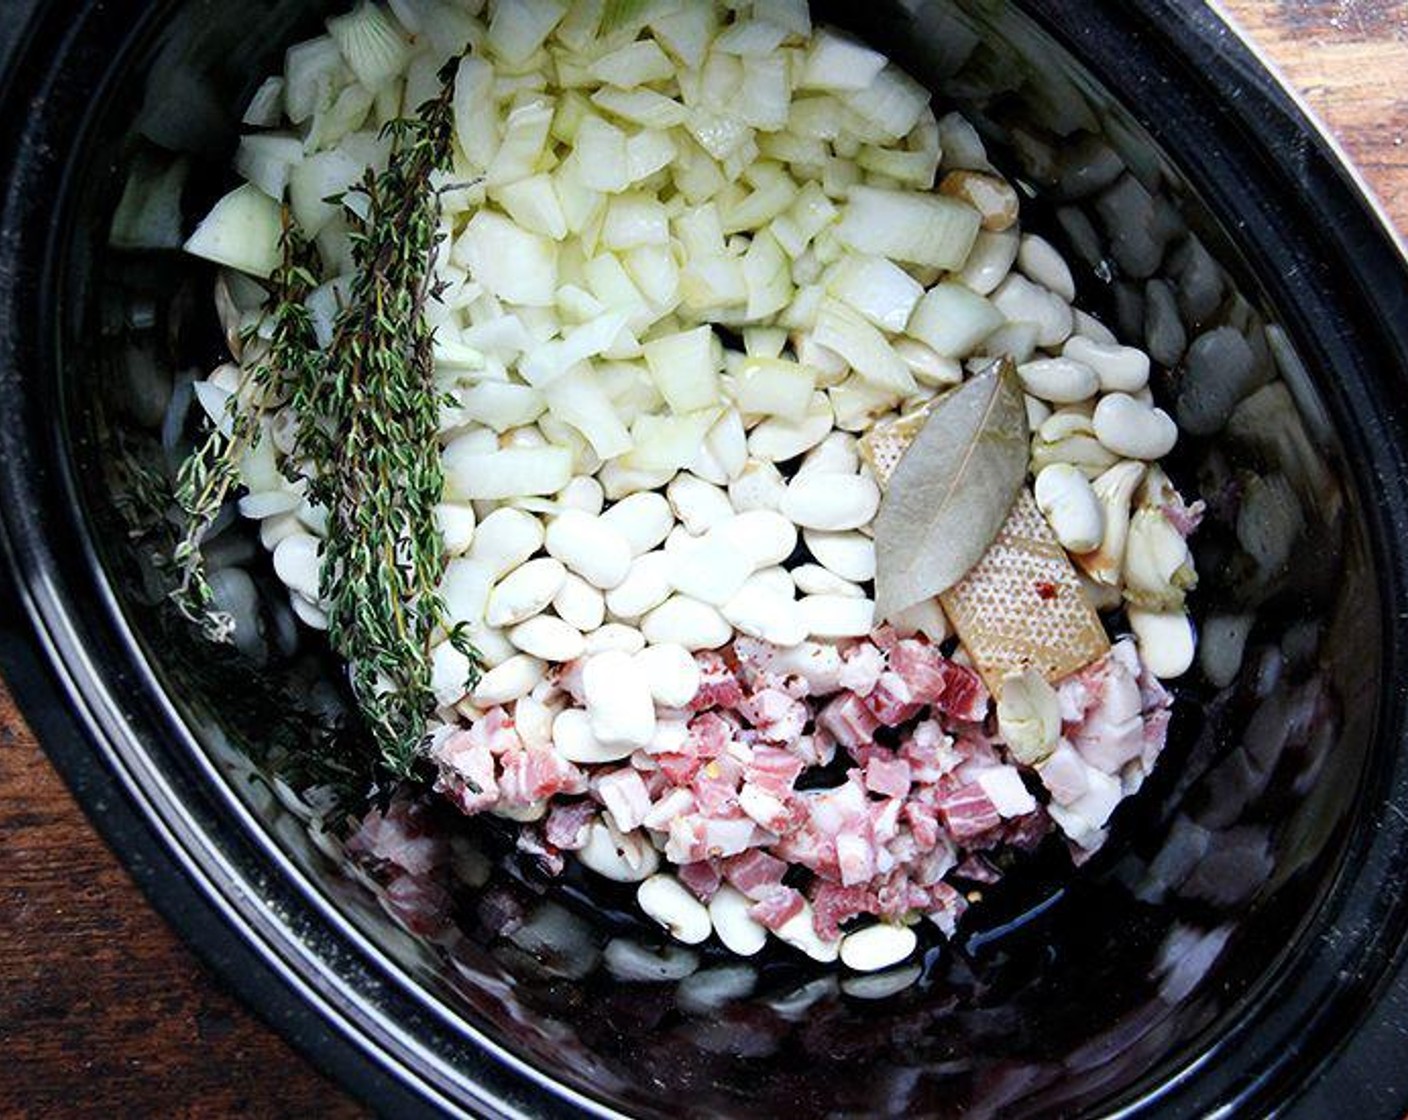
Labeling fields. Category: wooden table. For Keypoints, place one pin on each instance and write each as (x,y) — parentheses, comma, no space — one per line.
(103,1012)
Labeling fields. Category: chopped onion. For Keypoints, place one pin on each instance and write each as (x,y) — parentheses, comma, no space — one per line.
(476,121)
(767,273)
(371,44)
(837,63)
(524,138)
(952,320)
(511,472)
(321,176)
(754,38)
(879,289)
(533,203)
(510,262)
(687,32)
(636,64)
(840,329)
(601,155)
(922,229)
(668,443)
(313,74)
(580,401)
(267,104)
(520,27)
(644,107)
(774,387)
(685,368)
(241,231)
(501,405)
(267,158)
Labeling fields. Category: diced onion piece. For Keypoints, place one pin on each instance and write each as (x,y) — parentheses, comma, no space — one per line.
(520,27)
(266,159)
(577,399)
(685,369)
(476,118)
(550,361)
(774,192)
(611,284)
(371,44)
(510,262)
(533,203)
(767,272)
(709,285)
(313,74)
(653,270)
(774,387)
(835,62)
(793,16)
(952,320)
(501,404)
(892,104)
(668,443)
(636,64)
(687,32)
(242,231)
(766,94)
(321,176)
(840,329)
(601,156)
(751,38)
(525,136)
(764,342)
(879,289)
(648,152)
(644,107)
(635,219)
(266,106)
(580,204)
(925,229)
(511,472)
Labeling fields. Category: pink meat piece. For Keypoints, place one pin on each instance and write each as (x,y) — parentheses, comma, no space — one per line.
(719,687)
(832,905)
(776,716)
(674,803)
(495,729)
(968,814)
(855,857)
(702,878)
(566,826)
(843,808)
(929,752)
(1026,832)
(774,771)
(531,841)
(401,837)
(898,896)
(964,697)
(1064,773)
(947,907)
(754,872)
(861,667)
(885,636)
(978,869)
(885,819)
(533,774)
(921,667)
(1110,729)
(715,787)
(923,824)
(848,720)
(709,735)
(764,807)
(887,776)
(466,772)
(777,907)
(679,769)
(624,796)
(891,701)
(1183,517)
(694,837)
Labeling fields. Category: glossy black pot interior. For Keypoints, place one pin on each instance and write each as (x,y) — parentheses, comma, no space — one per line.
(1236,944)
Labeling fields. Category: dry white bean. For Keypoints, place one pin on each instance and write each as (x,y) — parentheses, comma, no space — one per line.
(799,932)
(698,504)
(831,502)
(776,579)
(507,681)
(456,523)
(525,591)
(850,555)
(670,672)
(532,719)
(711,569)
(464,588)
(836,616)
(990,261)
(643,519)
(677,542)
(645,587)
(626,859)
(579,604)
(1165,640)
(925,618)
(1121,369)
(683,916)
(878,946)
(813,579)
(1088,326)
(764,535)
(548,637)
(1021,301)
(838,453)
(583,493)
(739,932)
(1065,496)
(572,738)
(777,440)
(687,622)
(619,481)
(274,529)
(505,539)
(307,613)
(1059,380)
(618,701)
(297,564)
(1038,411)
(1041,263)
(614,635)
(760,485)
(1132,429)
(760,612)
(591,546)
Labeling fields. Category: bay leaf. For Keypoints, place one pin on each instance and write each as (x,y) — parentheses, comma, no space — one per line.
(951,490)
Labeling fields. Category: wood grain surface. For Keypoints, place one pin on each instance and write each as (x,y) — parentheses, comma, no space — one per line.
(104,1013)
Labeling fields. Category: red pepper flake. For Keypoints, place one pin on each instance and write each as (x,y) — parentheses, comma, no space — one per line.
(1045,589)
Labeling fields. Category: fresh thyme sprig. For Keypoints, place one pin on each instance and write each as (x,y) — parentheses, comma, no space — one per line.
(207,475)
(369,428)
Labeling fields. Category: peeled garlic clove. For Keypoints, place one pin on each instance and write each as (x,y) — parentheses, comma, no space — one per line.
(1029,716)
(1158,568)
(1115,489)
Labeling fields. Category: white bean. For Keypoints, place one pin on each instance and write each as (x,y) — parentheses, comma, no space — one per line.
(505,539)
(850,555)
(1059,380)
(619,481)
(698,504)
(813,579)
(626,859)
(274,529)
(645,587)
(838,453)
(618,700)
(572,738)
(739,932)
(507,681)
(877,946)
(670,672)
(525,591)
(667,902)
(591,546)
(990,261)
(831,502)
(710,569)
(1021,301)
(1088,326)
(583,493)
(643,519)
(777,440)
(1041,263)
(579,604)
(925,618)
(614,635)
(548,637)
(307,613)
(1065,496)
(837,616)
(1038,411)
(760,485)
(1165,640)
(1121,369)
(464,589)
(1133,430)
(775,579)
(799,932)
(686,622)
(760,612)
(456,523)
(764,535)
(532,719)
(297,564)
